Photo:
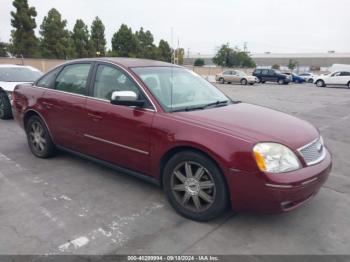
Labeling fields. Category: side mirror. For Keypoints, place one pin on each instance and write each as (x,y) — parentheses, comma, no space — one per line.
(126,98)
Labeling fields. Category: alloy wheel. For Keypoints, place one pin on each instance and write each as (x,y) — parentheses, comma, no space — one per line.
(193,186)
(37,137)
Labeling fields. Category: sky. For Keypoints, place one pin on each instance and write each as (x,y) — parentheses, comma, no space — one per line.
(201,26)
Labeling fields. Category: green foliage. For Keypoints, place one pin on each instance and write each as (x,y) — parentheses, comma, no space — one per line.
(199,62)
(55,38)
(80,37)
(179,56)
(276,66)
(4,48)
(164,51)
(124,42)
(146,48)
(24,41)
(98,39)
(292,64)
(228,57)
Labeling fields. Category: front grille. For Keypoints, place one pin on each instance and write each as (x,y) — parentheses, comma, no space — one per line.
(313,152)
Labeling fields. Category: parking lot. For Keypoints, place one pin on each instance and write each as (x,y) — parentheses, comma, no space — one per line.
(67,205)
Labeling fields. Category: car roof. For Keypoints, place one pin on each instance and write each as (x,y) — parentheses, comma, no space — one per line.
(11,65)
(128,62)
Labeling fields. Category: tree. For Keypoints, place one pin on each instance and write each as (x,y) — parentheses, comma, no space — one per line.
(179,56)
(164,51)
(146,48)
(55,38)
(98,39)
(124,42)
(199,62)
(276,66)
(81,40)
(292,64)
(23,39)
(226,56)
(4,49)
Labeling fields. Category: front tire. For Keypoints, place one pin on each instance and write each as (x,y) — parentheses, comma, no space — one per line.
(320,83)
(280,81)
(349,85)
(39,140)
(244,82)
(222,81)
(195,186)
(5,106)
(310,81)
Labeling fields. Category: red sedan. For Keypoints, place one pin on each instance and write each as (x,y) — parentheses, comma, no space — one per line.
(167,124)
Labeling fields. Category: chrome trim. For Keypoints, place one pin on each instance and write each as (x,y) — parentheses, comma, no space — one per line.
(136,81)
(60,91)
(318,160)
(309,144)
(278,186)
(309,181)
(107,101)
(116,144)
(106,62)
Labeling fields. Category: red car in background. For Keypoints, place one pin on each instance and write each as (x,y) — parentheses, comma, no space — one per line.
(167,124)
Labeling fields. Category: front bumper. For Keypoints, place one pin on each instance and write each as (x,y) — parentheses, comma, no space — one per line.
(271,193)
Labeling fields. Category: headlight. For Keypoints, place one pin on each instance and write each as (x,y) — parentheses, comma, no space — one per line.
(275,158)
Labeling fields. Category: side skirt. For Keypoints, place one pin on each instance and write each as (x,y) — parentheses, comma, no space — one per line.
(113,166)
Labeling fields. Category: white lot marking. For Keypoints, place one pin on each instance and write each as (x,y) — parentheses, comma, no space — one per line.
(115,231)
(76,243)
(64,197)
(54,219)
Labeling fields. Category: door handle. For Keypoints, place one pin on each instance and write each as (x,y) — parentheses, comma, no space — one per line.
(95,117)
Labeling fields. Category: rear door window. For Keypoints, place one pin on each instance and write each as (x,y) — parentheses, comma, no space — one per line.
(73,79)
(47,80)
(265,72)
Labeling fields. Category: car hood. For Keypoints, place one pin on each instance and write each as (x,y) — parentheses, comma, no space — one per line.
(10,86)
(255,124)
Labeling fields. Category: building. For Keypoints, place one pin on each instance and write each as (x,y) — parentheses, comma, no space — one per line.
(310,60)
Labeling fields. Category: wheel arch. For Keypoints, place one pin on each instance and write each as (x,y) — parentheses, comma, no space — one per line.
(31,112)
(177,149)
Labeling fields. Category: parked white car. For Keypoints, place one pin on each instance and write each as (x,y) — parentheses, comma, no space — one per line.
(10,76)
(309,77)
(340,78)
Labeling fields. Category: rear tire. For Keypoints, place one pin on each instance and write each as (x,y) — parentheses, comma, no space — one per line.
(349,85)
(195,187)
(5,106)
(320,83)
(310,81)
(244,82)
(280,81)
(39,140)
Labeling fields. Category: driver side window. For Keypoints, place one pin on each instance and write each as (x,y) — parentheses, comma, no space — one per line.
(109,79)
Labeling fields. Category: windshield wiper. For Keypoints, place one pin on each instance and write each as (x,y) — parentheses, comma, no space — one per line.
(201,107)
(217,103)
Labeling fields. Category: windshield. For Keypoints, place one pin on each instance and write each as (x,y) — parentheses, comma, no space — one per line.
(19,74)
(178,88)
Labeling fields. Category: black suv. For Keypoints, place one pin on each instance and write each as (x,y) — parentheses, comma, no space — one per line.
(271,75)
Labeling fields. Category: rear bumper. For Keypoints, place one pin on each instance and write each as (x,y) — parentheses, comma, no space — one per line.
(271,193)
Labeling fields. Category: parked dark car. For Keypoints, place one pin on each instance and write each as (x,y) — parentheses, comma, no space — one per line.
(296,78)
(271,75)
(168,125)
